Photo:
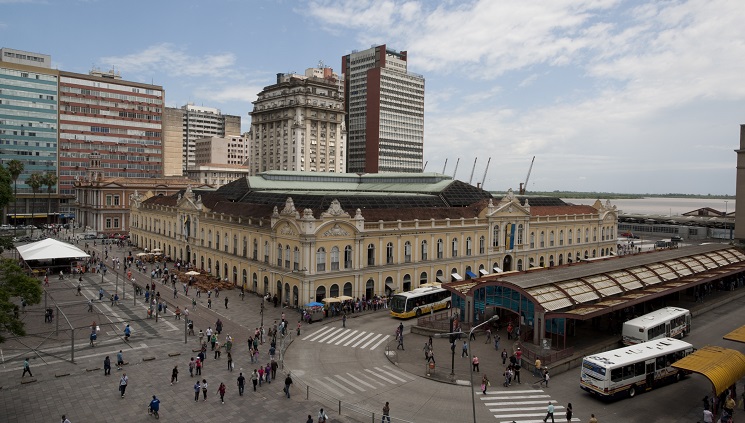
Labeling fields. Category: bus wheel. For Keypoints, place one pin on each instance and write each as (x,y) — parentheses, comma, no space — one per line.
(677,377)
(632,391)
(418,312)
(447,305)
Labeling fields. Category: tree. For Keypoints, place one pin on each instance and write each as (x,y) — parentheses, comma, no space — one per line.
(15,168)
(14,282)
(35,181)
(50,180)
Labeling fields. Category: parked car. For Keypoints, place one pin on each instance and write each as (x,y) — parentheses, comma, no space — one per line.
(676,239)
(630,235)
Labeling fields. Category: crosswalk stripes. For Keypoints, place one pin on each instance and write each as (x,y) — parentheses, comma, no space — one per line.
(521,406)
(352,383)
(347,337)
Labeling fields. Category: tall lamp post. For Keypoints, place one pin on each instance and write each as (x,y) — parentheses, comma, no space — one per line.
(726,225)
(440,335)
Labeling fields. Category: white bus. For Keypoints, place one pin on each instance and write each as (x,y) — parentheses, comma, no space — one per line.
(419,301)
(633,369)
(668,322)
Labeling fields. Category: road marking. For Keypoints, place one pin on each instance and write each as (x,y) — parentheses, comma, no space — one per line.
(362,340)
(524,397)
(380,342)
(530,421)
(371,341)
(495,410)
(352,340)
(381,377)
(341,377)
(488,404)
(391,374)
(339,385)
(510,392)
(336,336)
(372,380)
(361,381)
(318,332)
(328,388)
(345,337)
(398,371)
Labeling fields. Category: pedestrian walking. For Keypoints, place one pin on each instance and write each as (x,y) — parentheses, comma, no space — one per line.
(241,384)
(464,351)
(204,389)
(209,302)
(400,341)
(517,368)
(174,375)
(537,369)
(106,366)
(497,338)
(119,360)
(569,412)
(549,412)
(288,383)
(123,382)
(221,390)
(197,388)
(488,336)
(230,362)
(65,419)
(504,357)
(386,413)
(475,363)
(26,369)
(484,384)
(545,379)
(198,366)
(255,379)
(343,323)
(592,419)
(226,302)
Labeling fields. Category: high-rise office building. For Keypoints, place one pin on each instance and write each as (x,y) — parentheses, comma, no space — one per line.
(117,119)
(298,124)
(28,122)
(384,112)
(185,125)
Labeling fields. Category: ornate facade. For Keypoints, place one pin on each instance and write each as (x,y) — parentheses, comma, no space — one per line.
(305,237)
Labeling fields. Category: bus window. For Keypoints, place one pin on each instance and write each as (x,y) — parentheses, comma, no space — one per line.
(639,368)
(628,371)
(616,375)
(660,362)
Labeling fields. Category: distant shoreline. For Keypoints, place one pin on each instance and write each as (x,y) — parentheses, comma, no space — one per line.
(612,195)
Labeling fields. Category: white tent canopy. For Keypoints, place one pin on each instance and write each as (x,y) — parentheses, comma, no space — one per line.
(48,249)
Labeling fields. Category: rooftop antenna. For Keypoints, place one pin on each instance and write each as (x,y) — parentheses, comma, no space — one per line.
(485,170)
(473,169)
(444,166)
(456,167)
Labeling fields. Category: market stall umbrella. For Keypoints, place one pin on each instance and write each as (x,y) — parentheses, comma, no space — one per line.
(157,250)
(143,254)
(344,297)
(314,304)
(331,300)
(192,273)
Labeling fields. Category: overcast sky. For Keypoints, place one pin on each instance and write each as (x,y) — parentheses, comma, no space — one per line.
(609,95)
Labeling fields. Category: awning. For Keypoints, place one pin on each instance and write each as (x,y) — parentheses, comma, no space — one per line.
(390,286)
(471,274)
(737,335)
(456,277)
(440,279)
(498,270)
(722,366)
(483,272)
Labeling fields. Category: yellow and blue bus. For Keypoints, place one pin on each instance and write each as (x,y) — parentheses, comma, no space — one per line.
(419,301)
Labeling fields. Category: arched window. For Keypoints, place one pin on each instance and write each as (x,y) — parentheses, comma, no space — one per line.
(561,259)
(542,239)
(266,251)
(389,253)
(296,259)
(334,291)
(495,236)
(520,264)
(217,240)
(520,234)
(594,234)
(369,288)
(587,235)
(551,239)
(550,260)
(235,245)
(569,237)
(348,257)
(532,240)
(423,278)
(209,238)
(201,262)
(531,263)
(407,283)
(371,255)
(226,242)
(201,236)
(407,252)
(561,237)
(287,258)
(469,246)
(348,289)
(255,253)
(245,247)
(225,271)
(440,248)
(320,293)
(424,250)
(279,255)
(335,261)
(454,248)
(217,268)
(482,241)
(245,279)
(321,259)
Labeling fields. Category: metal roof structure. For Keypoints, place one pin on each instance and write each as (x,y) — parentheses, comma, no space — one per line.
(723,367)
(737,335)
(585,290)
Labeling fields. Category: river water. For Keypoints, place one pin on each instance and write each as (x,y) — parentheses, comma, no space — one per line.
(662,205)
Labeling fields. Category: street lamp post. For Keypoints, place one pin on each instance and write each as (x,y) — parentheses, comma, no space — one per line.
(470,366)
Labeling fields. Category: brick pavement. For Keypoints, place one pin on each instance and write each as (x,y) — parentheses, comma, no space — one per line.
(84,394)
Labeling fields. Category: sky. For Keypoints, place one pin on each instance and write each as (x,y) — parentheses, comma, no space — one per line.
(608,95)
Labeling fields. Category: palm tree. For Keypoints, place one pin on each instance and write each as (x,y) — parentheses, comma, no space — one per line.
(15,168)
(50,180)
(35,181)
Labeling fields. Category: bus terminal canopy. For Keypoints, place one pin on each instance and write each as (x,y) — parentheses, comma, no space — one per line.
(48,249)
(722,366)
(737,335)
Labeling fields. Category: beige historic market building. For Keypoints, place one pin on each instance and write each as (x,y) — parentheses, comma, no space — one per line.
(306,236)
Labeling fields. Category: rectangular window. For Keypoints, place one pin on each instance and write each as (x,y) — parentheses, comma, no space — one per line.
(109,200)
(108,223)
(116,200)
(116,222)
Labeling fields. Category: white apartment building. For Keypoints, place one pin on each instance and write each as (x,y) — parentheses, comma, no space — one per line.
(384,112)
(297,124)
(221,150)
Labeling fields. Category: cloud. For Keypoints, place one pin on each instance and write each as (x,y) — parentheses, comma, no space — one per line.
(235,92)
(173,61)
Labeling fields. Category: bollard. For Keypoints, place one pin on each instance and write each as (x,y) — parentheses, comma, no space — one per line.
(307,392)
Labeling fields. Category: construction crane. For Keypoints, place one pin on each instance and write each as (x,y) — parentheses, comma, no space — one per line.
(457,162)
(472,170)
(524,186)
(485,170)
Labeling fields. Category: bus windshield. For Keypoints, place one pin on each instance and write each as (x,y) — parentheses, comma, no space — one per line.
(398,303)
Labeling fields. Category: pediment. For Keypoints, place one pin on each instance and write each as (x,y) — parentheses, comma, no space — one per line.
(336,229)
(512,208)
